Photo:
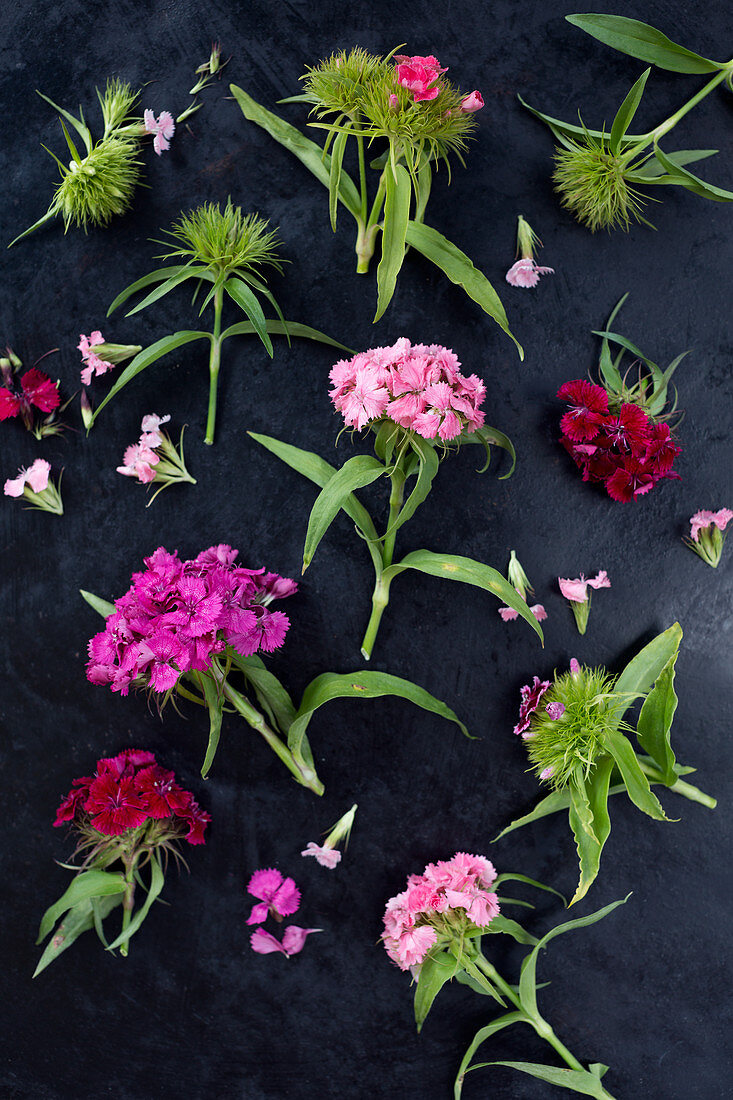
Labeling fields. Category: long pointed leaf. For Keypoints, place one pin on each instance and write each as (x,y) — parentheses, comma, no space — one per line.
(428,466)
(214,706)
(396,220)
(359,471)
(244,297)
(284,328)
(647,172)
(146,358)
(270,693)
(158,276)
(480,1037)
(88,884)
(568,129)
(102,607)
(78,124)
(334,176)
(644,42)
(78,920)
(461,271)
(551,804)
(655,722)
(307,152)
(454,568)
(635,781)
(435,971)
(506,926)
(181,276)
(362,685)
(157,881)
(576,1080)
(626,112)
(642,670)
(690,181)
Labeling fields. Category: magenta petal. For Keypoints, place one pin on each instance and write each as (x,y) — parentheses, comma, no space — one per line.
(286,899)
(263,884)
(259,913)
(294,938)
(264,943)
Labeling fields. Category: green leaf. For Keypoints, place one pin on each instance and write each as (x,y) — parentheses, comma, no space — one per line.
(461,271)
(626,112)
(284,328)
(454,568)
(361,685)
(78,124)
(334,176)
(428,465)
(102,607)
(510,876)
(577,1080)
(643,669)
(271,695)
(528,978)
(157,881)
(319,471)
(357,472)
(47,217)
(635,781)
(146,358)
(307,152)
(394,229)
(480,1037)
(637,39)
(240,293)
(656,405)
(551,804)
(691,182)
(424,183)
(627,344)
(569,130)
(505,925)
(590,822)
(435,971)
(495,438)
(161,275)
(609,371)
(78,920)
(88,884)
(181,276)
(655,722)
(214,704)
(384,441)
(648,172)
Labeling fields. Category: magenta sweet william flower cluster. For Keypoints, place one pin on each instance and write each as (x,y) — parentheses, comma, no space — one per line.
(178,614)
(418,386)
(623,448)
(127,791)
(448,898)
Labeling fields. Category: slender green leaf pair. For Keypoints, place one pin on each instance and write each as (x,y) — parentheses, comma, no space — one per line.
(91,896)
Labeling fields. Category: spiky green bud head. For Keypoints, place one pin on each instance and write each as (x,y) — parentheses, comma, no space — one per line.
(517,577)
(225,240)
(337,85)
(99,186)
(592,184)
(570,744)
(118,103)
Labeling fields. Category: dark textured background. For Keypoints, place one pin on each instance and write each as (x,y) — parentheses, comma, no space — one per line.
(193,1011)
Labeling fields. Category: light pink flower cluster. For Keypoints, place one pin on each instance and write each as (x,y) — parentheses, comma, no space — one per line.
(280,897)
(163,129)
(94,363)
(178,615)
(140,458)
(700,520)
(35,477)
(449,898)
(577,590)
(418,386)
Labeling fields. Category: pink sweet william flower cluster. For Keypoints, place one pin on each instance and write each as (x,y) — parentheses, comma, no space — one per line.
(419,75)
(178,615)
(448,899)
(417,386)
(623,448)
(127,792)
(93,363)
(278,897)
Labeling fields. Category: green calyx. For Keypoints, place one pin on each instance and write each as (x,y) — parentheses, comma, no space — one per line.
(99,187)
(571,744)
(226,240)
(592,184)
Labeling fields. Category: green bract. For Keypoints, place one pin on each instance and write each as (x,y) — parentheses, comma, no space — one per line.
(354,97)
(598,172)
(224,251)
(593,757)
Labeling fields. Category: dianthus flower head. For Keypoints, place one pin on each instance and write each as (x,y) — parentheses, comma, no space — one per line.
(707,534)
(278,896)
(163,129)
(419,75)
(448,901)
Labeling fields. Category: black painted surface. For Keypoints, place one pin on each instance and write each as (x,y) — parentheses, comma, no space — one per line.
(193,1010)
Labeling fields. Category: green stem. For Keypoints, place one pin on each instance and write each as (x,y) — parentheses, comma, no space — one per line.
(664,127)
(367,235)
(304,774)
(380,595)
(362,177)
(128,901)
(214,364)
(539,1024)
(687,789)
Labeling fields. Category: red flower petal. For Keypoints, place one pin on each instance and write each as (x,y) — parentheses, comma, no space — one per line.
(9,404)
(40,390)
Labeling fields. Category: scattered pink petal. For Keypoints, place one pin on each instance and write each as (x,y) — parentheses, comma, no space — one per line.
(163,128)
(37,475)
(294,938)
(526,273)
(327,857)
(264,943)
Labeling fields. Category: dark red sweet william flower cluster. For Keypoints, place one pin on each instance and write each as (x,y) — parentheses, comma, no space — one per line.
(129,791)
(19,397)
(622,447)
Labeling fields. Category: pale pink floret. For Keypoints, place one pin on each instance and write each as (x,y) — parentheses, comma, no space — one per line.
(576,590)
(547,773)
(37,476)
(327,857)
(14,486)
(526,273)
(163,128)
(414,944)
(508,614)
(94,364)
(700,520)
(472,103)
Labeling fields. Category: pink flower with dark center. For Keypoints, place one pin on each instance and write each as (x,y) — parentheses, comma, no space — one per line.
(197,609)
(279,896)
(168,660)
(525,272)
(163,128)
(531,695)
(9,404)
(419,75)
(629,429)
(74,801)
(159,793)
(327,857)
(197,820)
(114,805)
(662,450)
(40,391)
(589,408)
(473,102)
(414,944)
(630,480)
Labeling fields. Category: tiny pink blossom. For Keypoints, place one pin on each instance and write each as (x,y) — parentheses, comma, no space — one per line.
(163,128)
(327,857)
(526,273)
(294,938)
(414,944)
(547,773)
(264,943)
(94,364)
(473,102)
(279,896)
(14,486)
(574,667)
(37,475)
(393,101)
(704,519)
(600,581)
(555,710)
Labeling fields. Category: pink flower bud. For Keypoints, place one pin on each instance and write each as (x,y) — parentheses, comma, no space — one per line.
(473,102)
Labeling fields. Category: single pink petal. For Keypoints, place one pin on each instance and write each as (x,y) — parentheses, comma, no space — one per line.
(539,612)
(166,125)
(327,857)
(601,581)
(14,487)
(87,374)
(508,614)
(295,937)
(574,590)
(149,121)
(259,913)
(264,943)
(37,476)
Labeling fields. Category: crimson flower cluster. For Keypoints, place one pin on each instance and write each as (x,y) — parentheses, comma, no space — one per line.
(126,792)
(21,396)
(177,616)
(622,447)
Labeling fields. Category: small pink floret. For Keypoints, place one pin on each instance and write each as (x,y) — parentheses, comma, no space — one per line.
(327,857)
(700,520)
(526,273)
(163,128)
